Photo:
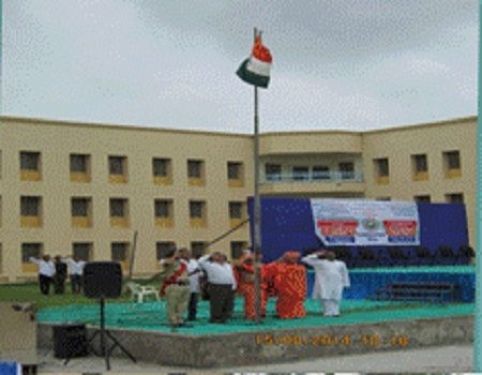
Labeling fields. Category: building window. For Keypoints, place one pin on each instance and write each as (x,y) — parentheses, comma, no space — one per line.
(455,198)
(119,215)
(162,171)
(347,170)
(31,211)
(30,250)
(383,199)
(120,253)
(195,172)
(1,211)
(420,167)
(197,213)
(83,250)
(198,248)
(164,248)
(117,169)
(272,172)
(1,260)
(422,198)
(81,210)
(79,167)
(301,173)
(163,212)
(321,172)
(382,171)
(235,174)
(452,164)
(237,248)
(30,168)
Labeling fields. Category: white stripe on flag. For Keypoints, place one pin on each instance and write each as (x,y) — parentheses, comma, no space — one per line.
(258,67)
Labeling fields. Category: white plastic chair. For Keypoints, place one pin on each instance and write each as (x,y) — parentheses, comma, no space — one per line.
(139,292)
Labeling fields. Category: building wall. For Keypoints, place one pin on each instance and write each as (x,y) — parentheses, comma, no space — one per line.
(432,139)
(57,140)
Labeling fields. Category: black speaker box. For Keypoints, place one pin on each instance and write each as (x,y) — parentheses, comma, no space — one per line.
(102,280)
(70,341)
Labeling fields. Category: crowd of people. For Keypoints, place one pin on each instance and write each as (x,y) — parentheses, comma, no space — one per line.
(182,280)
(185,280)
(54,272)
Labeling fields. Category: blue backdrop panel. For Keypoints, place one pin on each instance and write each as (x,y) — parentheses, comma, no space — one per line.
(287,224)
(8,368)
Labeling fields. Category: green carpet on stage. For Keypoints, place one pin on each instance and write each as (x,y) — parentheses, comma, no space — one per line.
(152,316)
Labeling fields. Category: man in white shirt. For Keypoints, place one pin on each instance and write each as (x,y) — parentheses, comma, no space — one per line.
(194,273)
(46,272)
(76,271)
(331,276)
(221,287)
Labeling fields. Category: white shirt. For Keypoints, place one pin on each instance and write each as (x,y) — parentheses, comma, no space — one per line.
(75,267)
(330,277)
(218,273)
(192,266)
(44,268)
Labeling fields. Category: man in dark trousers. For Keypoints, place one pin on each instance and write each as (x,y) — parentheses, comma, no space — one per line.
(221,287)
(194,273)
(46,271)
(60,275)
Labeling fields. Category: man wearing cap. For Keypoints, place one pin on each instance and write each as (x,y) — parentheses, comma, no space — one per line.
(331,276)
(289,280)
(174,287)
(221,286)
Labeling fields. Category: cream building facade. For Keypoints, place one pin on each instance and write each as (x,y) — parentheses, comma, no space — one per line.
(80,188)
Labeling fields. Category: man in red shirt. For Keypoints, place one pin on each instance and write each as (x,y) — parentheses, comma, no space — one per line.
(288,278)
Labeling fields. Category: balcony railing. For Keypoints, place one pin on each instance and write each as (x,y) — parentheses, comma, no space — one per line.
(333,176)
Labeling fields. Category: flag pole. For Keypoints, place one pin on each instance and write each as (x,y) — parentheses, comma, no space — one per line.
(257,208)
(478,260)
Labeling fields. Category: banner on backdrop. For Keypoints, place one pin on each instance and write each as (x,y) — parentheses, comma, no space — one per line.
(343,222)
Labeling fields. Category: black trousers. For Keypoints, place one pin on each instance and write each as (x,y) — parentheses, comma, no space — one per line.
(76,283)
(221,299)
(59,285)
(44,284)
(192,308)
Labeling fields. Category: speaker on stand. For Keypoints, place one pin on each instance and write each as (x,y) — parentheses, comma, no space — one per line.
(104,280)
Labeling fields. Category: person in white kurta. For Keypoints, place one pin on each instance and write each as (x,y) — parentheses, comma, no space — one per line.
(331,276)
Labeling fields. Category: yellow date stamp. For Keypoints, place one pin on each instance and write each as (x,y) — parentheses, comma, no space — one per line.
(367,340)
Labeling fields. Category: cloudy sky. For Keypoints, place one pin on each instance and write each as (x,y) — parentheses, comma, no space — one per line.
(337,64)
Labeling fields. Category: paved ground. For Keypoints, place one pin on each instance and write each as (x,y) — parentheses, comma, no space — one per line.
(432,360)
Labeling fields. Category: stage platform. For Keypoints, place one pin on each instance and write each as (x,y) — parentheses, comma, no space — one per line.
(365,326)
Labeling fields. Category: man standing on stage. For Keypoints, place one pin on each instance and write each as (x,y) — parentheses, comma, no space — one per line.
(174,287)
(244,272)
(46,272)
(194,273)
(288,278)
(221,286)
(331,276)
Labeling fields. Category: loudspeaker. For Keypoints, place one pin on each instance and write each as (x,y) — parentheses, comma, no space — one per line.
(102,280)
(70,341)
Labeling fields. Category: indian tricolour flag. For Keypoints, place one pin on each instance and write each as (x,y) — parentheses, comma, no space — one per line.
(255,69)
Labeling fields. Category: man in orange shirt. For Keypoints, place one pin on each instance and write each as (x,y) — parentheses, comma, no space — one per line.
(244,273)
(289,280)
